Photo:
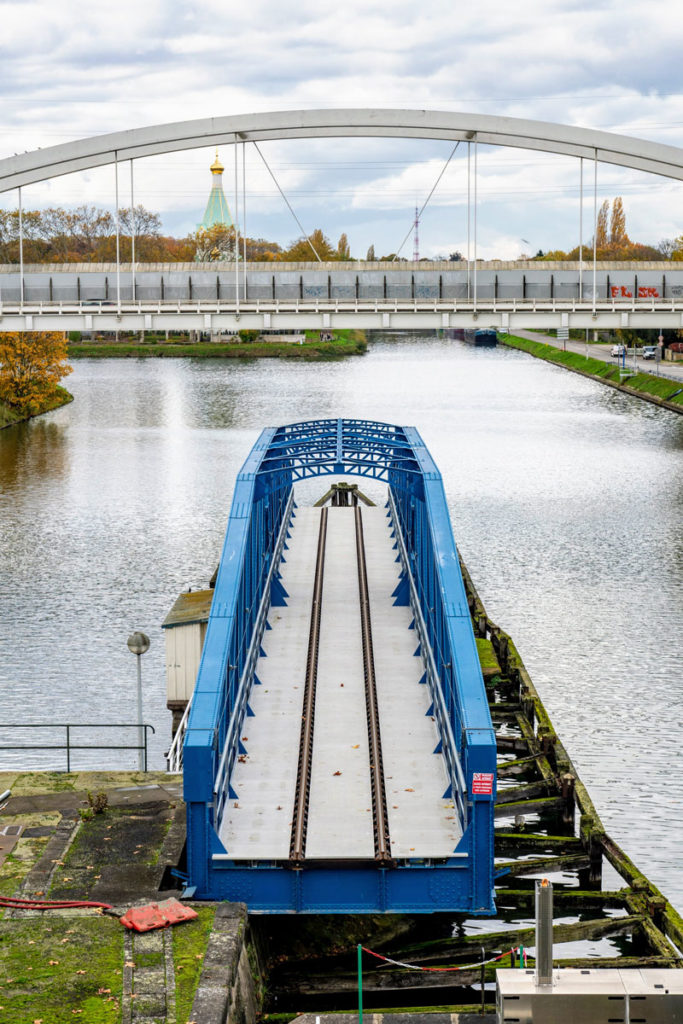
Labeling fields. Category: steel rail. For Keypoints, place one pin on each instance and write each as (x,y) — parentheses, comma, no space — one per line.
(379,798)
(297,846)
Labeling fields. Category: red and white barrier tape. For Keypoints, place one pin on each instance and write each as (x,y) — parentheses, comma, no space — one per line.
(463,967)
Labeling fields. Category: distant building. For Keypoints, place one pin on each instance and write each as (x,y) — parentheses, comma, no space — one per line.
(215,234)
(217,209)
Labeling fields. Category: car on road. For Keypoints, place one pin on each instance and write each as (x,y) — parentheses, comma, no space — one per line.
(649,351)
(618,350)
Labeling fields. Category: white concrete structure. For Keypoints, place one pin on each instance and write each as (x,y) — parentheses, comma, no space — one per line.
(545,136)
(325,296)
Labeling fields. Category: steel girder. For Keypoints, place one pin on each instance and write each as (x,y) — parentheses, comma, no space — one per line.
(432,582)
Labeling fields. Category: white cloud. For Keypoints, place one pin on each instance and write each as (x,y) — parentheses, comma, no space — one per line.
(69,72)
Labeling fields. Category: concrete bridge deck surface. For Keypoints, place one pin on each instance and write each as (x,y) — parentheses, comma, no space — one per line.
(257,825)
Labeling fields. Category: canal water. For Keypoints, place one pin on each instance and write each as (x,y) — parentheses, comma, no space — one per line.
(566,500)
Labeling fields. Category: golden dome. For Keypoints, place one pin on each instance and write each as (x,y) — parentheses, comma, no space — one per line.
(217,166)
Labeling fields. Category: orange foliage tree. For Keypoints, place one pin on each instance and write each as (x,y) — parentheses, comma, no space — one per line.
(32,363)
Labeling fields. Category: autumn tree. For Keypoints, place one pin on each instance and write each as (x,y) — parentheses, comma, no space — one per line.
(343,251)
(301,250)
(601,237)
(617,232)
(371,254)
(32,363)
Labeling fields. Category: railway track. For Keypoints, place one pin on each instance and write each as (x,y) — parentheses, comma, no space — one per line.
(379,799)
(382,841)
(297,846)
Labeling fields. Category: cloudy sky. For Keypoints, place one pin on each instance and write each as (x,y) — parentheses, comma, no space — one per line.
(69,70)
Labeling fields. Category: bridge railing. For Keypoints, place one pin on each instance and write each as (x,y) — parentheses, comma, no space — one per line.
(432,574)
(259,509)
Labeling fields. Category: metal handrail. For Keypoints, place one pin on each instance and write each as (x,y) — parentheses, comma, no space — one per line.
(174,757)
(69,746)
(226,763)
(441,715)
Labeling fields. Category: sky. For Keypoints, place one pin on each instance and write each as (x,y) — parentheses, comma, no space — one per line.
(69,71)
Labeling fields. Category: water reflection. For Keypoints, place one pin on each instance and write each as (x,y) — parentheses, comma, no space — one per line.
(31,451)
(566,500)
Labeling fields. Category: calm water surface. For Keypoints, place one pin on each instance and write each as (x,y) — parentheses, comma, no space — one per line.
(566,500)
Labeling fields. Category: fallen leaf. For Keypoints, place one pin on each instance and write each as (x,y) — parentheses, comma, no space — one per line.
(409,789)
(53,963)
(336,773)
(81,972)
(129,963)
(355,746)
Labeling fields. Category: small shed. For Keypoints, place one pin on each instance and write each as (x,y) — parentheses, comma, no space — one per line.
(185,627)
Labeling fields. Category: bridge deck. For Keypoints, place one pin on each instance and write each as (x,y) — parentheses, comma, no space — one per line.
(257,824)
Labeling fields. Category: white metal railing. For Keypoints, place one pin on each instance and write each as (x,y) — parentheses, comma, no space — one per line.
(449,749)
(174,757)
(315,305)
(225,766)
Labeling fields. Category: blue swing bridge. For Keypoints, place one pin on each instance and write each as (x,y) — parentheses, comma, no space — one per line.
(339,755)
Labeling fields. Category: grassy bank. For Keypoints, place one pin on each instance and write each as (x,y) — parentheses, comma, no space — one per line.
(345,343)
(660,390)
(9,415)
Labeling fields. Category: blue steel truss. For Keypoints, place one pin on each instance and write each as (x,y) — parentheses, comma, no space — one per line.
(248,583)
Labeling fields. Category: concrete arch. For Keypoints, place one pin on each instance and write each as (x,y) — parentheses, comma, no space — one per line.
(622,150)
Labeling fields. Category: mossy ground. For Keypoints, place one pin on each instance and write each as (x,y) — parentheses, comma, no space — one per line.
(189,945)
(33,783)
(28,850)
(59,969)
(68,965)
(487,659)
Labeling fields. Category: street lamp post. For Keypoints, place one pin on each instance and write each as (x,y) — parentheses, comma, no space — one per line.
(138,644)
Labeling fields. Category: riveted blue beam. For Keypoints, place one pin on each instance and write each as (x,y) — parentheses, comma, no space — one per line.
(380,451)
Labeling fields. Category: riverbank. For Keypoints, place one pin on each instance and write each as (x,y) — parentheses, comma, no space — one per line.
(345,343)
(112,838)
(658,390)
(9,415)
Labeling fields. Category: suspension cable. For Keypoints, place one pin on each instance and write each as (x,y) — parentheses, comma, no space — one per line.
(441,174)
(267,166)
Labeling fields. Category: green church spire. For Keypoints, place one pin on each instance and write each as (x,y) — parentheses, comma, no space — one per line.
(217,209)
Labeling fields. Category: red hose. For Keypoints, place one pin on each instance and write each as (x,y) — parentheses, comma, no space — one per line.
(16,904)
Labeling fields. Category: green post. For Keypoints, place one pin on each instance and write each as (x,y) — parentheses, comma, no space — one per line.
(521,957)
(360,984)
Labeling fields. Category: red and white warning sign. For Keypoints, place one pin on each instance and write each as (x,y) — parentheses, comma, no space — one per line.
(482,783)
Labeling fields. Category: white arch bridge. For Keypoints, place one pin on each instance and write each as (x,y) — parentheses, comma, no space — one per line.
(216,297)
